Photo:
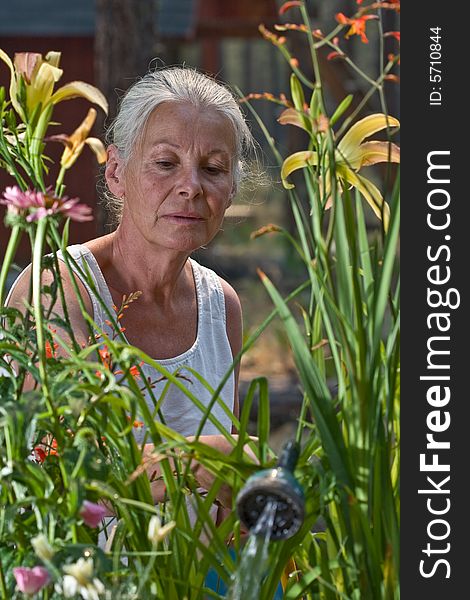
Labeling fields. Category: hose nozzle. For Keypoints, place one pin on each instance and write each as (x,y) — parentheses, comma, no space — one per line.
(279,486)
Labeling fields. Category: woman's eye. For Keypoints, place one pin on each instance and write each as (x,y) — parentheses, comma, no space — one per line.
(165,164)
(213,170)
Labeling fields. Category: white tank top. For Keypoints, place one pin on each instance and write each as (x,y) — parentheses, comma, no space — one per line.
(210,355)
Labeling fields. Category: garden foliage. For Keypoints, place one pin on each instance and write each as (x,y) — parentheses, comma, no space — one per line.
(67,412)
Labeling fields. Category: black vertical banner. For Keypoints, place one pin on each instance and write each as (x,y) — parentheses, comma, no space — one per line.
(435,415)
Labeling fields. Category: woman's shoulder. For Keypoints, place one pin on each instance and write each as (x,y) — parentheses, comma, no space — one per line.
(233,306)
(217,284)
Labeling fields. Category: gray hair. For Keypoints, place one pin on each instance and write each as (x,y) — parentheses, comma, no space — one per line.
(174,84)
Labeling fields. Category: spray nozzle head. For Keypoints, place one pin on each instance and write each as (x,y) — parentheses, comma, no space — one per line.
(279,486)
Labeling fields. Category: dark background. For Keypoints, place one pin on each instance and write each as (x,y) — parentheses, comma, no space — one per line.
(426,128)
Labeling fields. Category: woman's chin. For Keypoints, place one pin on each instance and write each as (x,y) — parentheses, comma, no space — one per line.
(179,244)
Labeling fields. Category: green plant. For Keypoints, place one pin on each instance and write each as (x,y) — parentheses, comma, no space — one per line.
(66,438)
(349,331)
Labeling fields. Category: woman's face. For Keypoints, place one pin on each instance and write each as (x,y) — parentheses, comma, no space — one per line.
(179,180)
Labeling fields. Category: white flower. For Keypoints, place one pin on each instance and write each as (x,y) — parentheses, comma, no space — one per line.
(42,547)
(79,580)
(156,533)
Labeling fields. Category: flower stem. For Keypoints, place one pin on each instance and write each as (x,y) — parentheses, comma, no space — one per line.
(59,182)
(9,255)
(38,316)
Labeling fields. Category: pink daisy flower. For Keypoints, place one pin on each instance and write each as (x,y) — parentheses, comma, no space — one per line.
(37,205)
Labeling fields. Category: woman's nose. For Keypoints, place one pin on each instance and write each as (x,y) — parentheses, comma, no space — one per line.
(189,183)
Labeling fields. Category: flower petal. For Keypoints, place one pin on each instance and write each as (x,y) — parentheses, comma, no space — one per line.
(288,5)
(79,212)
(7,60)
(30,581)
(82,131)
(370,193)
(362,129)
(53,58)
(295,161)
(374,152)
(92,513)
(371,153)
(342,18)
(81,89)
(13,83)
(291,116)
(42,85)
(63,138)
(25,64)
(98,148)
(76,141)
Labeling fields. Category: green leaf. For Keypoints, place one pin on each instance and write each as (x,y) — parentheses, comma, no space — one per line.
(263,420)
(298,589)
(342,108)
(315,102)
(297,92)
(320,398)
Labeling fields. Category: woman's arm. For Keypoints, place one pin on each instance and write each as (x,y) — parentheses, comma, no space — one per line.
(21,294)
(234,324)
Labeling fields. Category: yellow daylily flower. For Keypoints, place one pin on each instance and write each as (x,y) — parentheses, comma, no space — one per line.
(75,142)
(40,76)
(351,154)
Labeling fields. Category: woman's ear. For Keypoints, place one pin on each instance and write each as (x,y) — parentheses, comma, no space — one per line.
(114,173)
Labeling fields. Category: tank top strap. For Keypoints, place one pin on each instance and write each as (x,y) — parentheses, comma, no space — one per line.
(211,299)
(88,263)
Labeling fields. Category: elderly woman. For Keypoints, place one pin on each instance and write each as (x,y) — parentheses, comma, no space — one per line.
(174,164)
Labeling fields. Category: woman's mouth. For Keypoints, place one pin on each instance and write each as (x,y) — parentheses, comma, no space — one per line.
(183,218)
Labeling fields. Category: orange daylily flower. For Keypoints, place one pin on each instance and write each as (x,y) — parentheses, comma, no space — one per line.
(358,26)
(75,142)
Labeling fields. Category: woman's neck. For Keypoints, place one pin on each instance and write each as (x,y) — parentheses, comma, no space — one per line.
(130,266)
